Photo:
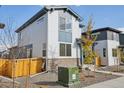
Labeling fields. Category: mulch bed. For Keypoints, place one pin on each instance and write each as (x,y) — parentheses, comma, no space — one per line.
(99,77)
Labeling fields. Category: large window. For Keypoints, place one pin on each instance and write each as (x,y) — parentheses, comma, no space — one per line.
(65,49)
(65,28)
(65,36)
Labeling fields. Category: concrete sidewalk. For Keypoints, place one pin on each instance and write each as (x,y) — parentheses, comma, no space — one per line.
(114,83)
(107,72)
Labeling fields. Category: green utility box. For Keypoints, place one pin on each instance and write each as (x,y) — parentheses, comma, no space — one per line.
(68,76)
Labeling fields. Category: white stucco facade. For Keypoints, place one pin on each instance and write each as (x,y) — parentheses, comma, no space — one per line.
(35,34)
(53,36)
(107,60)
(46,31)
(99,50)
(112,45)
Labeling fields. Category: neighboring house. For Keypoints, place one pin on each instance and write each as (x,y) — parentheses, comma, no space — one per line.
(52,34)
(121,38)
(106,45)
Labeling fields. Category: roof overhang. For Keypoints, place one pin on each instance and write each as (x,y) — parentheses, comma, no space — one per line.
(44,11)
(107,29)
(66,8)
(31,20)
(104,29)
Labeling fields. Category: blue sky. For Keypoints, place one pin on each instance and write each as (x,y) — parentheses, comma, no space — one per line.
(103,16)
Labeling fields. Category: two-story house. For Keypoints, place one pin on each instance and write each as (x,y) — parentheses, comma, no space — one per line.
(52,34)
(121,39)
(106,46)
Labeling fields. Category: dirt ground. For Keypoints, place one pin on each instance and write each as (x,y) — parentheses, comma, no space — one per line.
(49,80)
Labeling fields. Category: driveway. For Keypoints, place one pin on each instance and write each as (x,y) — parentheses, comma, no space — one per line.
(114,83)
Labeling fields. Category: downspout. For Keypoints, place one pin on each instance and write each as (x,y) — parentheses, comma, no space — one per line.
(46,65)
(79,61)
(77,55)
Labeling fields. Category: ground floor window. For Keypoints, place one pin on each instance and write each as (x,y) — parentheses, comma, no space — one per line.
(114,52)
(44,50)
(65,49)
(44,53)
(29,53)
(29,49)
(104,52)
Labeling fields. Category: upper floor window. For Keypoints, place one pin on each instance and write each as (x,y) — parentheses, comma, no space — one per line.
(68,23)
(65,28)
(62,24)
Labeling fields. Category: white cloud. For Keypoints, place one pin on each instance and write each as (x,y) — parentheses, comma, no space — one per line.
(121,29)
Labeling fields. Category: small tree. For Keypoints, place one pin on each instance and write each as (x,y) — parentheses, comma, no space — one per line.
(8,39)
(88,42)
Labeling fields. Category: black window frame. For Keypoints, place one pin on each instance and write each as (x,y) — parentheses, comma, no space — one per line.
(66,53)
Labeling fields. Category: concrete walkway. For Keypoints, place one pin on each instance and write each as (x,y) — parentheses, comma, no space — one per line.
(101,71)
(114,83)
(109,72)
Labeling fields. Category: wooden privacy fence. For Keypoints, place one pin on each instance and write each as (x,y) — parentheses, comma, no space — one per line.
(21,67)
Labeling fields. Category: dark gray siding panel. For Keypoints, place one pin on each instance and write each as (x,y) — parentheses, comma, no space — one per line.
(102,36)
(121,39)
(107,35)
